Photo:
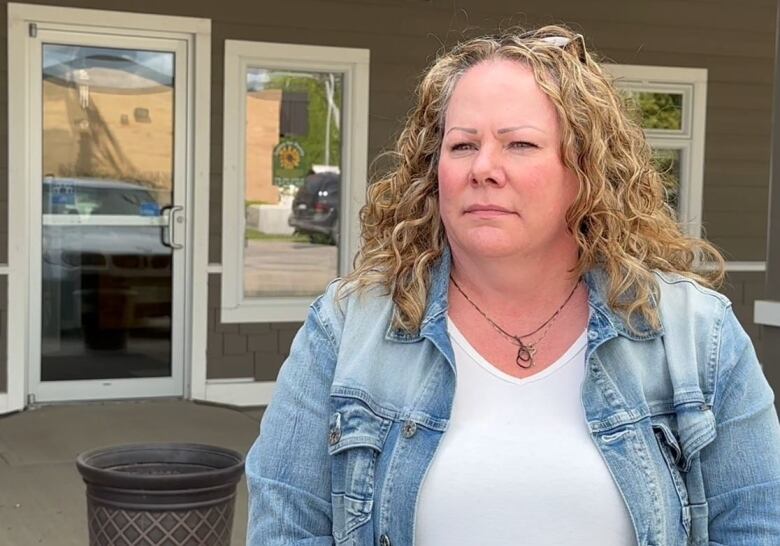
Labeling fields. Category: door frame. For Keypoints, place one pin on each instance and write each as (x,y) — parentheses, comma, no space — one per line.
(197,34)
(113,388)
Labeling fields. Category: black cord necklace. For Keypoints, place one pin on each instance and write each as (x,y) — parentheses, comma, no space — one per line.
(525,351)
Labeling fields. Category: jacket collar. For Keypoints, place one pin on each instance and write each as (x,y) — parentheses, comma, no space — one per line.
(604,320)
(436,306)
(604,323)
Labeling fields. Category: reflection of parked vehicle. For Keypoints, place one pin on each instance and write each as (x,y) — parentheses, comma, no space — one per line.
(315,209)
(87,196)
(102,274)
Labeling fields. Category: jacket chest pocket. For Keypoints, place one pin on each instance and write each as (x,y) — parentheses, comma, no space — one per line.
(356,437)
(681,436)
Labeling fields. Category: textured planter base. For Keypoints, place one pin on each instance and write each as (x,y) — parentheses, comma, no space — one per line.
(161,494)
(109,526)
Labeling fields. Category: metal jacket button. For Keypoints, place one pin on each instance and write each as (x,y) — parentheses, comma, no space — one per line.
(410,428)
(384,540)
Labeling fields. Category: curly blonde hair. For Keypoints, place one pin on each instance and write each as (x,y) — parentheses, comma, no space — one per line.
(620,219)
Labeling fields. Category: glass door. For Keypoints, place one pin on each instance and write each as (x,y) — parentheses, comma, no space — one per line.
(109,214)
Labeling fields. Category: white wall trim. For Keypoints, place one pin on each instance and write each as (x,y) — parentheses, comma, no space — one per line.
(353,63)
(5,404)
(652,75)
(746,267)
(766,312)
(243,393)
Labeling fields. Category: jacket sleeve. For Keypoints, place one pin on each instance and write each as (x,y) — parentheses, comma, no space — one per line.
(288,467)
(741,467)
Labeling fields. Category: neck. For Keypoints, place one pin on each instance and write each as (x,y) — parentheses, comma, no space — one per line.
(520,289)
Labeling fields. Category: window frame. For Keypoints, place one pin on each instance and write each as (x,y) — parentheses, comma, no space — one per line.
(690,140)
(240,55)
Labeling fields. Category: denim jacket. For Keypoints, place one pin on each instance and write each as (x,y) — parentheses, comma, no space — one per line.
(682,415)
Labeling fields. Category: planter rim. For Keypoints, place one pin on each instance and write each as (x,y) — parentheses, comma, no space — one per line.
(89,466)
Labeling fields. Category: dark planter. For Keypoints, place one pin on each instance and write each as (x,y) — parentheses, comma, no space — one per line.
(160,494)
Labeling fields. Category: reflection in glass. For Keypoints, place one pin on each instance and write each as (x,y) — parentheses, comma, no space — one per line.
(658,110)
(667,162)
(108,179)
(292,181)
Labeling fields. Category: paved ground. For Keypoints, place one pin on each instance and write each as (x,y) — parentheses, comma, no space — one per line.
(42,497)
(288,269)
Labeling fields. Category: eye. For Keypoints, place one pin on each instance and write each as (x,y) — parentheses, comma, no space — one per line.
(462,146)
(522,144)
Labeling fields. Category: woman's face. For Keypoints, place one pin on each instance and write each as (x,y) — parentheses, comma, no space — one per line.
(503,189)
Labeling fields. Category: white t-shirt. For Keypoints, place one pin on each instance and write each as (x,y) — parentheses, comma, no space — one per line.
(517,466)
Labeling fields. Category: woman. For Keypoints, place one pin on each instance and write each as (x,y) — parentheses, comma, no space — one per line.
(526,352)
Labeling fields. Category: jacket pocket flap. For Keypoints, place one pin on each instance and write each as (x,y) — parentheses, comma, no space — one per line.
(685,432)
(353,424)
(696,429)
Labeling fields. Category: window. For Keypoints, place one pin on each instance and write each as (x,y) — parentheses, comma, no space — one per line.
(294,177)
(672,104)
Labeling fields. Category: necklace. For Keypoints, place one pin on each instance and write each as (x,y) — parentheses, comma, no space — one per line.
(525,351)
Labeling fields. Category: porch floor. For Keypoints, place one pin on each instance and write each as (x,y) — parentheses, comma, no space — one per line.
(42,496)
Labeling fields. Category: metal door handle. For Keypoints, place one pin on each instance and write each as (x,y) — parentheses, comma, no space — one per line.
(170,240)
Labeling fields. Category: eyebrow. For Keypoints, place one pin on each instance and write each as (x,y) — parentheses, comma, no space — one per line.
(464,129)
(500,131)
(510,129)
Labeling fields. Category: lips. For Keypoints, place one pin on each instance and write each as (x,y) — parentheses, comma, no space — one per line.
(487,209)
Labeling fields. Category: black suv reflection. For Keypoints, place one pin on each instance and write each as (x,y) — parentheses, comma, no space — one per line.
(315,209)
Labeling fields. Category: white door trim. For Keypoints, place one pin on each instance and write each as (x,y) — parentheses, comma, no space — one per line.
(173,385)
(198,34)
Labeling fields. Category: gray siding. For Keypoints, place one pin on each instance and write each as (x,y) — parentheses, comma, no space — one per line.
(245,350)
(743,288)
(733,41)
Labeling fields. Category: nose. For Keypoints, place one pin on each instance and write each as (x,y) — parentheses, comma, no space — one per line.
(487,167)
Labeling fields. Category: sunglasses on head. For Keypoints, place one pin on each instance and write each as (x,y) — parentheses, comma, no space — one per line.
(575,45)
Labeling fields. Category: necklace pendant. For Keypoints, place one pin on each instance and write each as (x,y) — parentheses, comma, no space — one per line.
(525,355)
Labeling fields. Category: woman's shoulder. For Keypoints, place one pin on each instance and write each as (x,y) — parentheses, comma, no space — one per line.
(345,297)
(679,294)
(698,317)
(347,307)
(675,297)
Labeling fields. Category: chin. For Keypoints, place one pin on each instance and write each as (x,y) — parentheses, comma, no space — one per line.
(494,251)
(491,246)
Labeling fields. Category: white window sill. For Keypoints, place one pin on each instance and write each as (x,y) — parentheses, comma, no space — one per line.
(268,310)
